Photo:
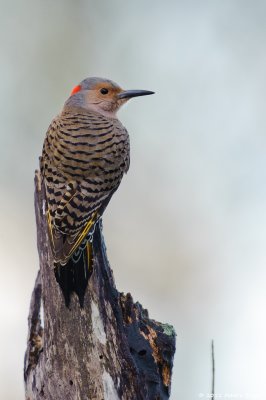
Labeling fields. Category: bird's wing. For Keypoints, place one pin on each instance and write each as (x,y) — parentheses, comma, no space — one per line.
(73,220)
(63,246)
(83,161)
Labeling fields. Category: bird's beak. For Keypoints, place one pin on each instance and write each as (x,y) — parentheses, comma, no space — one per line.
(127,94)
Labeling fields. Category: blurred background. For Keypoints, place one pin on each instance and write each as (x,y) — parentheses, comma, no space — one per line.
(186,230)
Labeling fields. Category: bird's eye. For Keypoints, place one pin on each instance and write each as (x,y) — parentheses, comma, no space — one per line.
(104,91)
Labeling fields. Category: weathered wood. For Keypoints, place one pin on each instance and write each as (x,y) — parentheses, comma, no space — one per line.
(108,350)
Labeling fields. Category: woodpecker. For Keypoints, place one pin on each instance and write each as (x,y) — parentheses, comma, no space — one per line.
(85,155)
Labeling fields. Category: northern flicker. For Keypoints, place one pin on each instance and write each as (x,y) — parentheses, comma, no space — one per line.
(85,155)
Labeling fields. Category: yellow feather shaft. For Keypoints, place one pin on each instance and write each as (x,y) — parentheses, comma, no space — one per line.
(83,234)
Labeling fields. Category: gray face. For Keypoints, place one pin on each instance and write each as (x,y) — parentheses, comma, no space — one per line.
(101,95)
(97,94)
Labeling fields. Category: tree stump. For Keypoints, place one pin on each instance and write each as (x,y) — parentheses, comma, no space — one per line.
(109,349)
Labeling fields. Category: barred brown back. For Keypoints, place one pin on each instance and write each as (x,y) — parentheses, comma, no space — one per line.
(85,155)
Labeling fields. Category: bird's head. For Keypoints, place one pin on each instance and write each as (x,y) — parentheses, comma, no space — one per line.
(101,95)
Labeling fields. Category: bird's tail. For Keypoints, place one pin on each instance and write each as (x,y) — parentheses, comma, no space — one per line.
(74,275)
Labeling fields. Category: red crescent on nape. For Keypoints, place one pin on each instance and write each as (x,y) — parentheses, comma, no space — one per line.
(76,89)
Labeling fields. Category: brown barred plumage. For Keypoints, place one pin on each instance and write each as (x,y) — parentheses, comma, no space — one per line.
(85,154)
(84,158)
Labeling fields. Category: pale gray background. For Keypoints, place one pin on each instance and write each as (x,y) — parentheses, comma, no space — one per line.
(186,231)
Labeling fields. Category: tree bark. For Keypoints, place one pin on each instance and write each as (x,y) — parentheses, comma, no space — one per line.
(109,349)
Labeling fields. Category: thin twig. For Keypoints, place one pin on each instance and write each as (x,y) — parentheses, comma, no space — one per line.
(213,370)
